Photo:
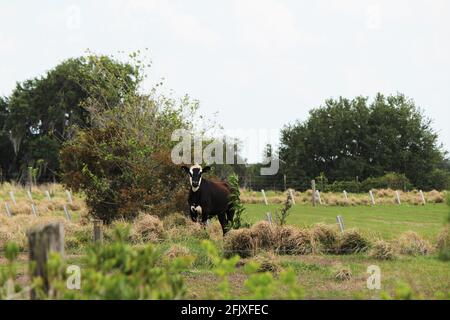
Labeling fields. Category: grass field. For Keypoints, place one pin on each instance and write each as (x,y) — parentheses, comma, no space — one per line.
(385,221)
(426,276)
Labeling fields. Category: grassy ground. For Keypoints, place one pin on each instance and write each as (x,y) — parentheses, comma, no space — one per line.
(385,221)
(315,273)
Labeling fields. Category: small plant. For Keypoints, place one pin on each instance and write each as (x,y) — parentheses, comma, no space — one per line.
(236,204)
(8,288)
(281,218)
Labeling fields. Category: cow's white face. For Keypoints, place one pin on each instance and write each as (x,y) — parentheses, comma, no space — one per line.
(195,175)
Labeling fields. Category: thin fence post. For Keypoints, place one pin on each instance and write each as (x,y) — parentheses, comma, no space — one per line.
(68,217)
(313,187)
(269,217)
(30,196)
(318,196)
(47,194)
(292,196)
(13,198)
(372,198)
(33,209)
(98,231)
(42,241)
(264,196)
(345,195)
(69,196)
(8,210)
(422,196)
(340,222)
(398,197)
(284,179)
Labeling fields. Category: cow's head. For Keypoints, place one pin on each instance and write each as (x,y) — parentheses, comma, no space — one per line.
(195,175)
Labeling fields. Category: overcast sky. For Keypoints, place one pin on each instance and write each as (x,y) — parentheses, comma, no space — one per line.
(260,63)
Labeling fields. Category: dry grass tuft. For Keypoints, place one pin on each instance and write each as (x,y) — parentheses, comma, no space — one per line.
(268,263)
(325,238)
(410,243)
(264,235)
(382,250)
(177,251)
(239,242)
(343,273)
(175,220)
(352,241)
(148,228)
(443,238)
(290,240)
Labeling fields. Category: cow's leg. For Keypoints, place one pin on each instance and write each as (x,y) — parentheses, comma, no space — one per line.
(223,222)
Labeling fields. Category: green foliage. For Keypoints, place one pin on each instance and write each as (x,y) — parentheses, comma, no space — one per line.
(392,180)
(9,289)
(281,217)
(235,202)
(348,138)
(39,114)
(260,285)
(123,161)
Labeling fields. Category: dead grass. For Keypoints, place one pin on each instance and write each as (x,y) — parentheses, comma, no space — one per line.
(410,243)
(148,228)
(382,250)
(239,242)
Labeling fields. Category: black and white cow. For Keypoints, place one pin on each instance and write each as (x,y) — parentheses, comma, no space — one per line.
(208,198)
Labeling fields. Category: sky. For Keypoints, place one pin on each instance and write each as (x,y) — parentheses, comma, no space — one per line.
(258,64)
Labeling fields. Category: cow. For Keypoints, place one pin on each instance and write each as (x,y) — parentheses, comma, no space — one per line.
(208,198)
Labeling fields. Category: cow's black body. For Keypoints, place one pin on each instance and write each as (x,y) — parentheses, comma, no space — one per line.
(213,199)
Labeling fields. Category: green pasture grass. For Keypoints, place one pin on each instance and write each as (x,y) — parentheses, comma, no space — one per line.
(383,221)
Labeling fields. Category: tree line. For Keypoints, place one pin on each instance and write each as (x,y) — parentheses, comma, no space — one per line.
(342,141)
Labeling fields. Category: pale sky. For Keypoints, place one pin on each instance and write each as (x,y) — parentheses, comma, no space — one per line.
(259,63)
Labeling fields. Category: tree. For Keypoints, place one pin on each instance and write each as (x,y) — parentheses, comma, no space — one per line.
(345,139)
(41,113)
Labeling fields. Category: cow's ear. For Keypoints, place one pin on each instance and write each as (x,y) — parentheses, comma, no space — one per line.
(185,169)
(206,169)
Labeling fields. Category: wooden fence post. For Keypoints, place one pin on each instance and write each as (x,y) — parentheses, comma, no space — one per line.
(68,217)
(33,209)
(98,231)
(42,241)
(313,187)
(318,196)
(269,217)
(47,194)
(345,195)
(30,196)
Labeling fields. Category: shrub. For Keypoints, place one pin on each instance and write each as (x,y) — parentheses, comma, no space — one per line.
(325,238)
(352,241)
(264,235)
(123,161)
(392,180)
(148,228)
(240,242)
(410,243)
(236,204)
(382,250)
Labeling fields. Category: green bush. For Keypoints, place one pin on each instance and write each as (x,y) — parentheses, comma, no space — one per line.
(123,162)
(393,181)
